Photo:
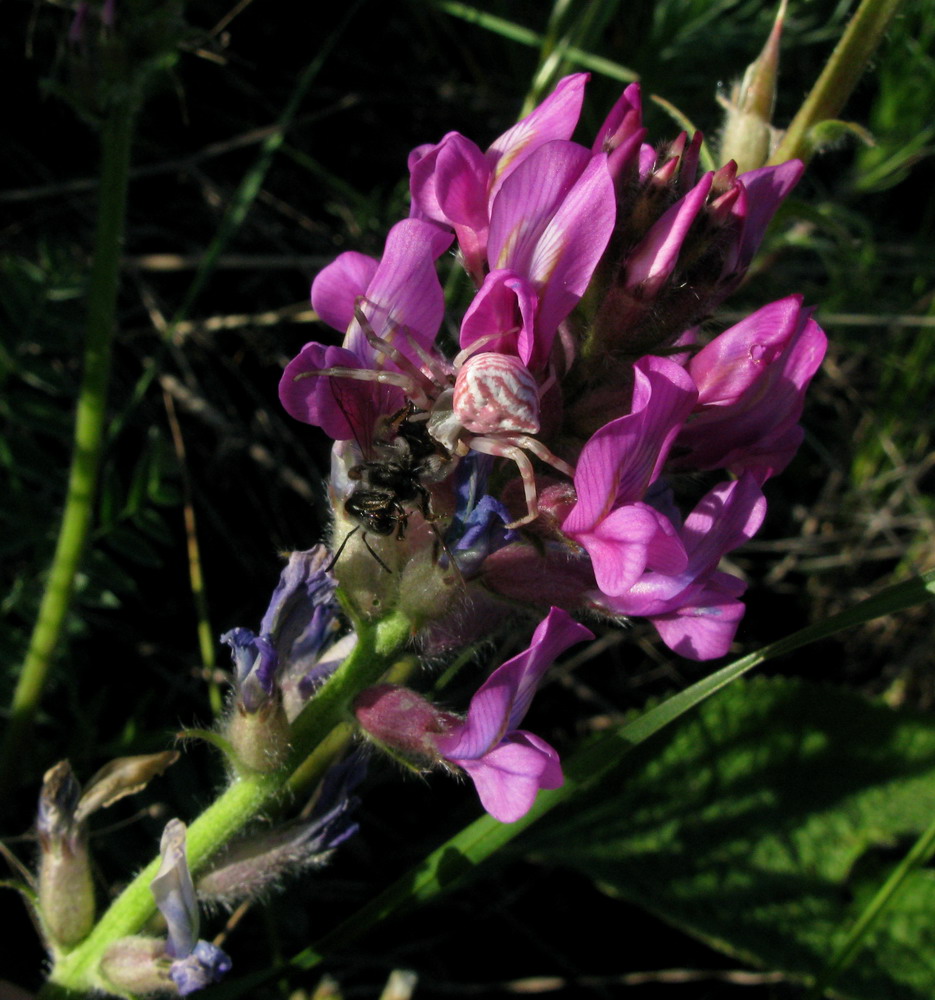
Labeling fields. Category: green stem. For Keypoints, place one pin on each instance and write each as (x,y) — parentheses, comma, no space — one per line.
(116,137)
(242,801)
(839,77)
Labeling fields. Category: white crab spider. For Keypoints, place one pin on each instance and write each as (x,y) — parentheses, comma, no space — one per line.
(483,401)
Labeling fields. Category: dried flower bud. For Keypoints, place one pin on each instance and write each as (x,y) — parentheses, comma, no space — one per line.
(121,777)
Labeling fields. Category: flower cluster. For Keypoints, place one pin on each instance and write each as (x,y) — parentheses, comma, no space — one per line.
(583,385)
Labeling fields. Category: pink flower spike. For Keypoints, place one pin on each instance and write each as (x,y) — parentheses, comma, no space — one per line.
(508,765)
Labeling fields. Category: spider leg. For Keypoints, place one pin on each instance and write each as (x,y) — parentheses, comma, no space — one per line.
(507,449)
(427,386)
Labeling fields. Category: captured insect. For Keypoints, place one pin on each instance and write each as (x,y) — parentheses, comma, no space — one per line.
(390,488)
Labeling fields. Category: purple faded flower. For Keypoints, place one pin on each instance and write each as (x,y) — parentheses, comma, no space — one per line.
(401,300)
(751,386)
(453,183)
(509,765)
(196,963)
(293,651)
(696,610)
(256,863)
(623,535)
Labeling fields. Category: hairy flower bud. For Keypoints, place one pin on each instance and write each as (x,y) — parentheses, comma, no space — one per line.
(66,888)
(748,134)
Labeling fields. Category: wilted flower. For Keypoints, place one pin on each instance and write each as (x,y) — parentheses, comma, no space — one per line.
(195,963)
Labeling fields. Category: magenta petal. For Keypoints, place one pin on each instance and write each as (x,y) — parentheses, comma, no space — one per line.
(620,546)
(529,199)
(337,287)
(737,358)
(339,406)
(704,628)
(570,248)
(505,304)
(461,178)
(766,189)
(404,298)
(508,778)
(555,118)
(503,699)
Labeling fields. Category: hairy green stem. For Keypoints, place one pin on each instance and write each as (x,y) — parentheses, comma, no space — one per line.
(116,137)
(839,77)
(243,800)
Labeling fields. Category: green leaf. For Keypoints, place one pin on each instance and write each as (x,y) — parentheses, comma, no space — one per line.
(764,823)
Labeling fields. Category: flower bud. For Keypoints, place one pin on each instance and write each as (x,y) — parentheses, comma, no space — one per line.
(748,133)
(260,739)
(66,888)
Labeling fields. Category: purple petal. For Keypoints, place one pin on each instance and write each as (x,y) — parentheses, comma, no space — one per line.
(174,892)
(344,408)
(337,287)
(555,118)
(404,297)
(508,778)
(740,356)
(206,964)
(528,200)
(461,178)
(504,698)
(505,304)
(570,248)
(703,628)
(621,459)
(766,189)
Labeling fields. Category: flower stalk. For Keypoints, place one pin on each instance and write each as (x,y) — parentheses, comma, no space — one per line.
(839,77)
(246,797)
(116,140)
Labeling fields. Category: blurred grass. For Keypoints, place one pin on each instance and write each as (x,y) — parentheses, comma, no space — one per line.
(854,509)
